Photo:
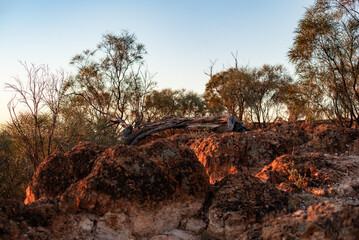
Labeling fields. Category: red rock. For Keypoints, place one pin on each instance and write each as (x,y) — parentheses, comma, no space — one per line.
(333,140)
(241,201)
(303,171)
(56,173)
(321,221)
(159,189)
(316,173)
(151,187)
(225,154)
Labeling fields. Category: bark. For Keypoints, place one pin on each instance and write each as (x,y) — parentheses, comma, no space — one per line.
(220,123)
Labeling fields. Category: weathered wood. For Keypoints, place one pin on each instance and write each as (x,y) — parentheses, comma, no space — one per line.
(221,123)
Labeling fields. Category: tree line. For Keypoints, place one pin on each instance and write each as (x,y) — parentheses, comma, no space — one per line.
(113,89)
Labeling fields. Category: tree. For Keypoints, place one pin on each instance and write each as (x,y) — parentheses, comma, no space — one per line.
(325,52)
(266,93)
(112,79)
(40,102)
(168,102)
(254,94)
(191,104)
(14,170)
(81,123)
(228,89)
(161,103)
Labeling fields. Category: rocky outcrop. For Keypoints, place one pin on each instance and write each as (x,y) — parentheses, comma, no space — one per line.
(241,202)
(136,191)
(228,153)
(38,220)
(295,134)
(302,172)
(321,221)
(59,171)
(266,184)
(225,154)
(332,140)
(316,173)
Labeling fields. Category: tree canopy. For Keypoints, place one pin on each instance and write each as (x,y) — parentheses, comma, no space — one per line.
(325,53)
(113,79)
(251,93)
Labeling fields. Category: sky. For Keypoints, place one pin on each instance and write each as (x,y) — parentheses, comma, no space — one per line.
(181,36)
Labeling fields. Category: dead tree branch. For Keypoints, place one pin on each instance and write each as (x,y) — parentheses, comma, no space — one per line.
(220,123)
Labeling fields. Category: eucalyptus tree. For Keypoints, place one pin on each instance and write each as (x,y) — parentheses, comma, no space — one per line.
(227,90)
(266,93)
(166,102)
(326,52)
(113,80)
(191,104)
(254,94)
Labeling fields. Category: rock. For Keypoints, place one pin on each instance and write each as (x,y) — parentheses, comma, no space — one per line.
(225,154)
(150,188)
(10,210)
(175,235)
(322,221)
(332,140)
(39,220)
(266,184)
(241,202)
(195,225)
(295,134)
(58,172)
(316,173)
(354,148)
(303,171)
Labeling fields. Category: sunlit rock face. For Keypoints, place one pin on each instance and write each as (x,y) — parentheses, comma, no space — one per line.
(225,154)
(59,171)
(149,189)
(299,171)
(317,173)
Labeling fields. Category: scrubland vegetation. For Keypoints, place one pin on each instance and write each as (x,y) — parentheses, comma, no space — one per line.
(112,89)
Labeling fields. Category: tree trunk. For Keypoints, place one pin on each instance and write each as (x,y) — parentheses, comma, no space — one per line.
(220,123)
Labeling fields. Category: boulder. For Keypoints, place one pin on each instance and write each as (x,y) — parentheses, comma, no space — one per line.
(225,154)
(241,202)
(149,189)
(316,173)
(332,140)
(325,220)
(56,173)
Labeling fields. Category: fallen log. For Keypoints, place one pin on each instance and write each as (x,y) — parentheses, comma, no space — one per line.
(220,123)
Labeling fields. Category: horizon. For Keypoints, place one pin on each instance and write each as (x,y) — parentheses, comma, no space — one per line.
(180,38)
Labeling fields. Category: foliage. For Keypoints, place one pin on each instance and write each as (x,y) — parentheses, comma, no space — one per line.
(266,94)
(112,79)
(168,102)
(249,92)
(191,104)
(14,170)
(325,52)
(228,90)
(40,100)
(81,123)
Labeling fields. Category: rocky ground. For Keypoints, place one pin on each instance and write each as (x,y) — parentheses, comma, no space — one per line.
(291,181)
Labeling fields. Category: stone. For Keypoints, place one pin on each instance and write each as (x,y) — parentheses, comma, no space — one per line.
(240,201)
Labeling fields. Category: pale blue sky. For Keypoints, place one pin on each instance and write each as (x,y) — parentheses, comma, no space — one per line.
(180,36)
